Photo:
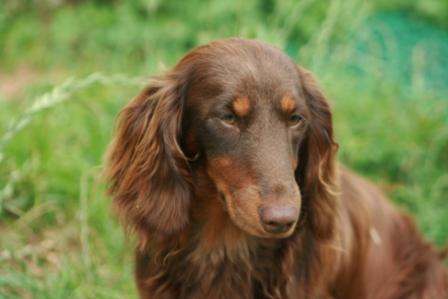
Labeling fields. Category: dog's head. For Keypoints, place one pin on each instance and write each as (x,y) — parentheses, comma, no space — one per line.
(243,113)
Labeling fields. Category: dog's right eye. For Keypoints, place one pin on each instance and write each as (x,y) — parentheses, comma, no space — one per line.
(228,118)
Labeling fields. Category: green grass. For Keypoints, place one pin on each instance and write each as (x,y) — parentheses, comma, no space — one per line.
(58,236)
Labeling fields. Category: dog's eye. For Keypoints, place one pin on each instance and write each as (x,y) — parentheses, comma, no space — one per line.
(228,118)
(295,119)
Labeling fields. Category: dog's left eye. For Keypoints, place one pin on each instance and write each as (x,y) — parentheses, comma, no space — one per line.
(294,119)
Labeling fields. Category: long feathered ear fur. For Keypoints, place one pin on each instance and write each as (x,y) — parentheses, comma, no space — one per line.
(316,171)
(146,168)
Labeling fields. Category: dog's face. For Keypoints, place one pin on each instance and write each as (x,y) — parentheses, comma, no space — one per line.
(245,117)
(242,114)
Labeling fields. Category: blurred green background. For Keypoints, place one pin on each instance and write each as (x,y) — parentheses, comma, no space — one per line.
(68,66)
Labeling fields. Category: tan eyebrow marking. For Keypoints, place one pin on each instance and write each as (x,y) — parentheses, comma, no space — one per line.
(241,106)
(287,104)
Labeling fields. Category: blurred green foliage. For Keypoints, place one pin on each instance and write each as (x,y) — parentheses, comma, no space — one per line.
(435,11)
(95,31)
(381,64)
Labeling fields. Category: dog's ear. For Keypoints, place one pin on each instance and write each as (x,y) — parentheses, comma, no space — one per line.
(146,168)
(316,170)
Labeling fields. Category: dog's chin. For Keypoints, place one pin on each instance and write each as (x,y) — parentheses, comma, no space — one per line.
(280,235)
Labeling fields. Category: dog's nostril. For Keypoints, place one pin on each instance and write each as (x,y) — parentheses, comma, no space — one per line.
(278,219)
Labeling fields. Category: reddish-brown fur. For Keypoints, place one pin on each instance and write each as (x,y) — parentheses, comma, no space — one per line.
(195,209)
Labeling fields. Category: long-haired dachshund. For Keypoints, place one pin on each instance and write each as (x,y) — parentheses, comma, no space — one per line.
(225,167)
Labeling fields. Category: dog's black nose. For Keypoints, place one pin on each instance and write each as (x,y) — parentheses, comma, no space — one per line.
(278,220)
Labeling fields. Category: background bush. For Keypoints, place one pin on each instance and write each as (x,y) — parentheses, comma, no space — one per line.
(67,67)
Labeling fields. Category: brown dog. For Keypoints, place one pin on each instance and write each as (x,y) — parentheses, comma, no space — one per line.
(226,169)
